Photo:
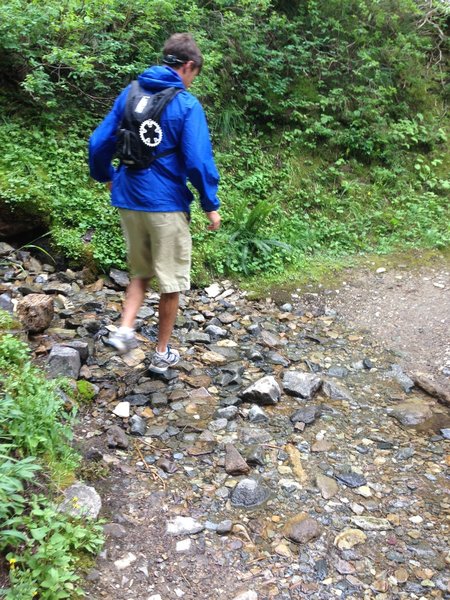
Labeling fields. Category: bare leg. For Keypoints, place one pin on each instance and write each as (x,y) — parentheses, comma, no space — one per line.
(133,302)
(168,308)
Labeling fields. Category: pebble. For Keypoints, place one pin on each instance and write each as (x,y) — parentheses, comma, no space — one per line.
(349,538)
(302,529)
(249,492)
(125,561)
(327,486)
(122,409)
(184,525)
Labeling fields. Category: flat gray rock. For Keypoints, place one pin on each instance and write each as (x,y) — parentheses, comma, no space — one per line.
(301,385)
(411,412)
(184,526)
(265,391)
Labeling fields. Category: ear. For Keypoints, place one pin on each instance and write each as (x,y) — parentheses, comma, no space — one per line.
(190,65)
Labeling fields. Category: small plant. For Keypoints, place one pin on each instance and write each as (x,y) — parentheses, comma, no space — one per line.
(7,321)
(249,248)
(44,561)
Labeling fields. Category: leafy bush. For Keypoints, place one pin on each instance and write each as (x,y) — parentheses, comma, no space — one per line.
(42,545)
(356,89)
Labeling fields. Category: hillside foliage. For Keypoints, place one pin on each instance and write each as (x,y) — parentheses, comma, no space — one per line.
(328,119)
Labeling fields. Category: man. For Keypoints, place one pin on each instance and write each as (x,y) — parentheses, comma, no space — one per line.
(154,203)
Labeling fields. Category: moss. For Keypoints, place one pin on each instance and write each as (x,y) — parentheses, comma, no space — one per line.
(85,391)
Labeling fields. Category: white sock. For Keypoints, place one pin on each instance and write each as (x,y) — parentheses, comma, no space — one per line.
(127,332)
(162,353)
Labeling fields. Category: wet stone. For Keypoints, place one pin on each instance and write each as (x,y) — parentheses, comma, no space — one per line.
(257,415)
(120,278)
(275,358)
(339,372)
(228,412)
(333,391)
(145,312)
(406,382)
(198,337)
(138,425)
(249,493)
(350,478)
(166,465)
(158,400)
(255,455)
(136,399)
(216,332)
(307,415)
(321,569)
(405,454)
(218,424)
(54,287)
(224,527)
(249,436)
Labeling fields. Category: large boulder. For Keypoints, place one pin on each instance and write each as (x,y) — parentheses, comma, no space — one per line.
(35,312)
(64,362)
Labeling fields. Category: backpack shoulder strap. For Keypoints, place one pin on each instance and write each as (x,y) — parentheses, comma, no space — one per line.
(134,88)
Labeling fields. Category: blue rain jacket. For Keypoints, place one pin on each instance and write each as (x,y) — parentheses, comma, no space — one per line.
(162,187)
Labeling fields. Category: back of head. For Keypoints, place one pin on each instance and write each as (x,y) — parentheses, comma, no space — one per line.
(181,48)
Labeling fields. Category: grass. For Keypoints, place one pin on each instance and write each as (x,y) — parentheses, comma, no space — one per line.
(321,272)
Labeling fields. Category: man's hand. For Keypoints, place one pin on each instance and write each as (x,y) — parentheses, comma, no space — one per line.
(214,220)
(109,185)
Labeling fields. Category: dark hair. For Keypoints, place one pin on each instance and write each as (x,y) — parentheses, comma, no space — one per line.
(179,49)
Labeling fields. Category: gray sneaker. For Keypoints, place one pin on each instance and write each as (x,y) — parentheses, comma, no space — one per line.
(121,342)
(161,362)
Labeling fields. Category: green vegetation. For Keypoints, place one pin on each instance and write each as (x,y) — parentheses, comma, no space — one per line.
(328,118)
(42,546)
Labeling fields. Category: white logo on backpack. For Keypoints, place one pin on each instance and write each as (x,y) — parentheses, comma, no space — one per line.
(150,133)
(142,104)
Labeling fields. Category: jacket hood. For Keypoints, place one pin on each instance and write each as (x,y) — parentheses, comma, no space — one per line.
(158,78)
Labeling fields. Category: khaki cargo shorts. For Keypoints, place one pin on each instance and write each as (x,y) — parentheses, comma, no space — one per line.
(159,245)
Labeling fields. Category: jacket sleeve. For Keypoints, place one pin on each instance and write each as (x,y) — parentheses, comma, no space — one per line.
(102,144)
(198,157)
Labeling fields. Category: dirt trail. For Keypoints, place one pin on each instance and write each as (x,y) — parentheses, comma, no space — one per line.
(406,309)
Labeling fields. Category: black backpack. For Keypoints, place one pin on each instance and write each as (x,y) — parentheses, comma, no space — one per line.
(140,131)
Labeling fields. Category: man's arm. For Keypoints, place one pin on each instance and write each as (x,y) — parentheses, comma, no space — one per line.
(198,157)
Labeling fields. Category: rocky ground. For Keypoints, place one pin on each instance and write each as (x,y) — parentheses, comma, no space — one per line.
(289,455)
